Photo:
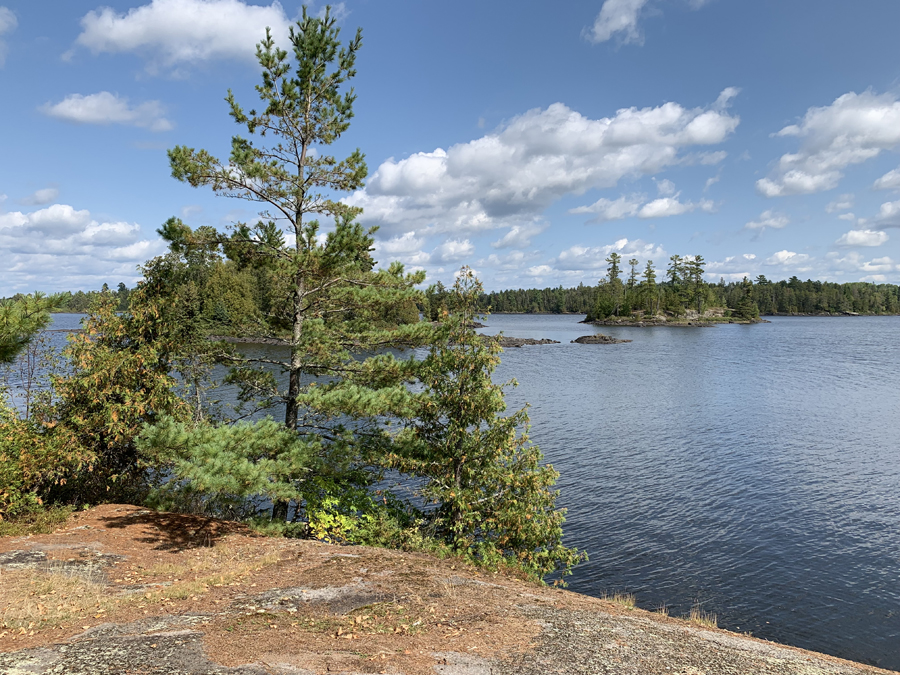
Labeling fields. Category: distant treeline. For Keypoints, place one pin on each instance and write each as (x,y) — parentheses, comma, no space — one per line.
(772,297)
(79,301)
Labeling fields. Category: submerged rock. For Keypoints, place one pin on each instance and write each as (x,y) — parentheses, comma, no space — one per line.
(598,339)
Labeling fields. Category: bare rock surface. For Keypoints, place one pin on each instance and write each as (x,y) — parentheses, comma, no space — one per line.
(214,598)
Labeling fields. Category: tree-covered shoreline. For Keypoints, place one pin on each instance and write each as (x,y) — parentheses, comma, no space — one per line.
(774,298)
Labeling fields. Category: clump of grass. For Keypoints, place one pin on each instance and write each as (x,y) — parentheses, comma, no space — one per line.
(39,521)
(662,610)
(620,598)
(33,599)
(701,618)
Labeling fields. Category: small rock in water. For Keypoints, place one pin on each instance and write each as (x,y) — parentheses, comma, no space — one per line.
(598,339)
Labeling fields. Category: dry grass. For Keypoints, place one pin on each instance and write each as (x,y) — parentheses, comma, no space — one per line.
(625,599)
(701,618)
(60,594)
(662,610)
(32,599)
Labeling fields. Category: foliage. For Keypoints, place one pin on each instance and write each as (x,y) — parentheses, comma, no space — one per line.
(493,499)
(120,380)
(323,295)
(20,319)
(42,520)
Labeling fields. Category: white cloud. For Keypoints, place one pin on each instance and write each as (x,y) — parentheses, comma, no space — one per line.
(404,244)
(620,18)
(847,216)
(510,261)
(519,236)
(863,238)
(842,203)
(770,219)
(8,23)
(106,108)
(749,256)
(889,181)
(787,259)
(607,209)
(853,129)
(452,251)
(710,182)
(513,174)
(670,206)
(70,248)
(617,17)
(173,34)
(665,187)
(41,197)
(888,215)
(581,258)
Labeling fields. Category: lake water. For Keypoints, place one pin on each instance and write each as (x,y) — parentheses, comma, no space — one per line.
(752,470)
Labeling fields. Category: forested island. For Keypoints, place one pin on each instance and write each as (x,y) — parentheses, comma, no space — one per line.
(680,291)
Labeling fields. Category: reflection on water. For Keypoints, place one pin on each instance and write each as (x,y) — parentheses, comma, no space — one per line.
(751,469)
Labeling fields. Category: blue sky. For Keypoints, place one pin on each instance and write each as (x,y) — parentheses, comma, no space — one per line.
(526,139)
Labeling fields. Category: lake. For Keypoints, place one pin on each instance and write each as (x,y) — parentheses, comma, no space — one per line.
(751,470)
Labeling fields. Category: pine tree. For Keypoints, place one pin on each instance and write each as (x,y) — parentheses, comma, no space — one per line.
(20,319)
(327,297)
(649,287)
(494,499)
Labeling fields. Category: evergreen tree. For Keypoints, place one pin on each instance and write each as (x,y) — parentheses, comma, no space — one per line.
(693,275)
(327,298)
(649,289)
(493,498)
(20,319)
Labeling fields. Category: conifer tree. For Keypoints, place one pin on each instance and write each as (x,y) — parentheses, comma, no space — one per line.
(20,319)
(494,498)
(326,296)
(649,286)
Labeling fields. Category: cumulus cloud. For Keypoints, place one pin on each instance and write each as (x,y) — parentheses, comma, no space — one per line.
(8,23)
(583,258)
(453,251)
(670,206)
(519,236)
(70,247)
(863,238)
(513,174)
(853,129)
(605,210)
(889,181)
(174,34)
(106,108)
(771,219)
(842,203)
(787,259)
(888,216)
(41,197)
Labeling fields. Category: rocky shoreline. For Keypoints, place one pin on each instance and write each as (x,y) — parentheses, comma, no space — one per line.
(120,589)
